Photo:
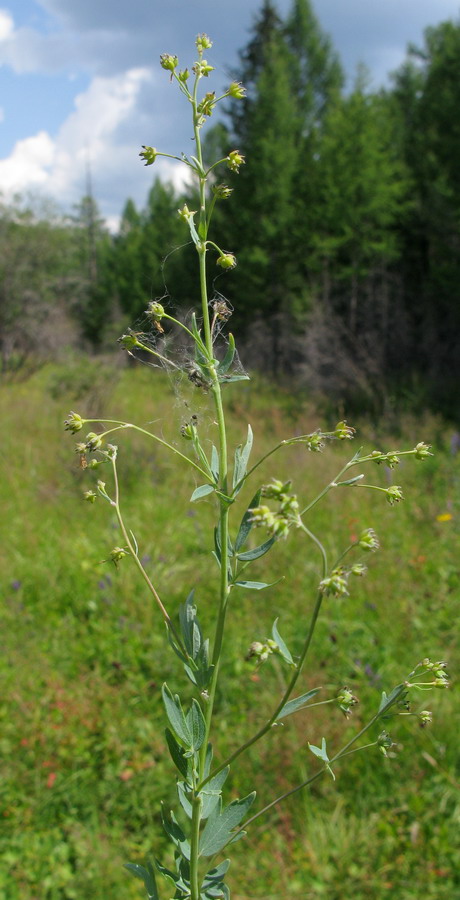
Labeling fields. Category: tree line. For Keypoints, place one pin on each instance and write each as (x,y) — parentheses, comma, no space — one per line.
(345,220)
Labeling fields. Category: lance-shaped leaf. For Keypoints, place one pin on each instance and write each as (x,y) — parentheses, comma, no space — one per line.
(297,703)
(218,829)
(241,460)
(190,628)
(284,652)
(253,585)
(172,879)
(176,717)
(147,875)
(224,366)
(246,522)
(215,466)
(202,491)
(177,753)
(196,725)
(226,379)
(261,550)
(175,832)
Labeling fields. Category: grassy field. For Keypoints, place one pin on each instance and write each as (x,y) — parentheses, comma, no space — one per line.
(84,653)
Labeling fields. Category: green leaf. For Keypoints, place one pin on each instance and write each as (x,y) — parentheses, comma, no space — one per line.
(215,463)
(321,753)
(176,717)
(246,522)
(241,460)
(281,645)
(196,725)
(201,491)
(212,791)
(170,877)
(297,703)
(253,585)
(177,753)
(191,631)
(395,694)
(175,832)
(218,829)
(215,875)
(147,875)
(261,550)
(226,379)
(182,792)
(224,366)
(350,480)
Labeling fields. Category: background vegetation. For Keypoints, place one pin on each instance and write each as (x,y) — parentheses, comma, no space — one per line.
(83,765)
(345,221)
(352,218)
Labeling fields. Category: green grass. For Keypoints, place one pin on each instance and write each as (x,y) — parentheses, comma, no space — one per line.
(84,652)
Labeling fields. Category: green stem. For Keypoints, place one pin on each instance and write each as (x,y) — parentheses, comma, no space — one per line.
(155,438)
(345,751)
(132,550)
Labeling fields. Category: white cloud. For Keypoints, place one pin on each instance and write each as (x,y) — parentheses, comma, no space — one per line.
(6,24)
(98,133)
(28,164)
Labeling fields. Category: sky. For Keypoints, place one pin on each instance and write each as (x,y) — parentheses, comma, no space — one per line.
(81,88)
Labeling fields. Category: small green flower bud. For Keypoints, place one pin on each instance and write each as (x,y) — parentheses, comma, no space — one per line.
(94,463)
(384,742)
(234,160)
(422,450)
(392,460)
(276,490)
(128,341)
(73,423)
(315,442)
(155,310)
(202,68)
(359,570)
(149,154)
(425,718)
(81,448)
(394,494)
(346,701)
(335,585)
(168,62)
(226,260)
(344,432)
(186,214)
(184,76)
(441,682)
(207,104)
(90,496)
(203,42)
(377,456)
(188,431)
(272,645)
(222,191)
(93,441)
(368,540)
(117,554)
(236,90)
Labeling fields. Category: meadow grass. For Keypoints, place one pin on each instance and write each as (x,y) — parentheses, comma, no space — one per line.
(81,739)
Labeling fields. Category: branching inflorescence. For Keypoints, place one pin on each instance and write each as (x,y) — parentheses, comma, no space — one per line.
(205,825)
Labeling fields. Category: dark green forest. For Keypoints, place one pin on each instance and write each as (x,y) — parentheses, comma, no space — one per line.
(345,220)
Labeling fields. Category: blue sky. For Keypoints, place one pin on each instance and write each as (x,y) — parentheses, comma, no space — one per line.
(80,80)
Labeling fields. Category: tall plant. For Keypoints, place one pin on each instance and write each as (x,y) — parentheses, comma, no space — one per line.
(205,825)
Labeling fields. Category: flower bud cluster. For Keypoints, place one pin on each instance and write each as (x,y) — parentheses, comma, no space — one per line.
(315,442)
(222,191)
(206,105)
(129,340)
(368,541)
(347,701)
(226,260)
(422,451)
(236,90)
(73,423)
(277,523)
(336,584)
(203,42)
(202,68)
(234,160)
(116,555)
(438,669)
(385,743)
(390,459)
(394,494)
(425,718)
(149,154)
(344,432)
(261,651)
(168,62)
